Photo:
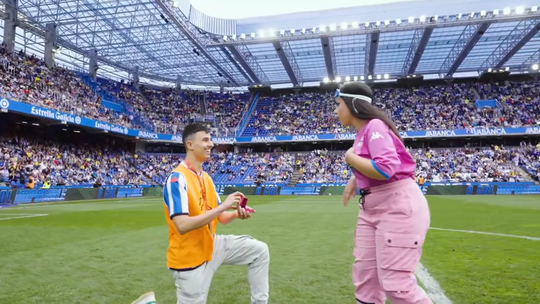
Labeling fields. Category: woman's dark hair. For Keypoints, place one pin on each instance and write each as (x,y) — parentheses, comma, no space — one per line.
(362,109)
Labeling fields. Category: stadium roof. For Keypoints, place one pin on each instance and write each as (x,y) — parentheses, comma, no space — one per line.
(156,36)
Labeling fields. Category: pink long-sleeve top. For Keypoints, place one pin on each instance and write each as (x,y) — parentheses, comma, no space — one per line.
(377,142)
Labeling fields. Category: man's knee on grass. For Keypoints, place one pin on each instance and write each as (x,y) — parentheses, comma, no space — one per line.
(262,253)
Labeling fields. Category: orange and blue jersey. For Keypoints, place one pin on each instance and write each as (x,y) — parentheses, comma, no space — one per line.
(184,194)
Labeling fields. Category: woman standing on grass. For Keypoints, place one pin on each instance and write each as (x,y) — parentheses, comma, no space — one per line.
(394,216)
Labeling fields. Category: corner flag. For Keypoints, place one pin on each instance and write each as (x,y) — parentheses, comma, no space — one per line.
(147,298)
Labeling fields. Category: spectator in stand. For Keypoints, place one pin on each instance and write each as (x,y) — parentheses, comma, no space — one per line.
(495,164)
(32,161)
(428,107)
(529,159)
(321,166)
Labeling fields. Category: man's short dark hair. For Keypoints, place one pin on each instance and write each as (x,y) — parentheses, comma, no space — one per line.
(192,129)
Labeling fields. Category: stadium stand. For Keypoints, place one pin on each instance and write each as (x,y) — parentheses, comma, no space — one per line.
(23,159)
(427,107)
(452,106)
(27,79)
(529,160)
(470,165)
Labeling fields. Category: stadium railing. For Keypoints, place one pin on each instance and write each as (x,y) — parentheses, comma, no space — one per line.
(247,115)
(13,197)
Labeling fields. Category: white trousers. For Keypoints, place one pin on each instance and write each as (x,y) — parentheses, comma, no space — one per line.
(192,286)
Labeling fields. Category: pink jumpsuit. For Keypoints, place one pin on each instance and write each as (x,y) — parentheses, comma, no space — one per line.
(392,223)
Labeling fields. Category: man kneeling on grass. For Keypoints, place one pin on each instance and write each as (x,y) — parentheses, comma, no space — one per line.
(192,210)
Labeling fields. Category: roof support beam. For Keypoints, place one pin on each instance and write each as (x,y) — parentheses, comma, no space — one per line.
(325,42)
(39,30)
(123,33)
(533,59)
(250,65)
(372,45)
(442,22)
(466,42)
(521,34)
(187,33)
(235,63)
(283,53)
(57,15)
(418,46)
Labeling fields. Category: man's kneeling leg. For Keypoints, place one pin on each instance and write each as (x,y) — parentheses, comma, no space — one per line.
(192,286)
(245,250)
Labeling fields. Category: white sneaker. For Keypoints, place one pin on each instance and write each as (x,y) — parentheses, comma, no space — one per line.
(147,298)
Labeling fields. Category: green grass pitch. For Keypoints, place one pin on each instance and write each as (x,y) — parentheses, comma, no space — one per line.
(112,251)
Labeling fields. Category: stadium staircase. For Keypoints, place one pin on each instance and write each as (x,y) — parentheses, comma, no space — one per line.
(296,176)
(528,176)
(261,108)
(127,109)
(253,102)
(476,94)
(202,103)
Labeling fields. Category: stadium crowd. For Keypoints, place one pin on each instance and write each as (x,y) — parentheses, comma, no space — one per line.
(323,166)
(27,79)
(22,160)
(529,159)
(428,107)
(494,164)
(29,163)
(452,106)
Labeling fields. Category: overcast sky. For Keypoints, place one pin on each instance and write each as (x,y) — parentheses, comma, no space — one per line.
(240,9)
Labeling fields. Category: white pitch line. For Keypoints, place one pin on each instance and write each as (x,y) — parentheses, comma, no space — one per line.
(57,204)
(22,214)
(21,217)
(532,238)
(432,287)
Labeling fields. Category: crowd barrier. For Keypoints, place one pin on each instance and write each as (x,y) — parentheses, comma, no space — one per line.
(10,197)
(427,189)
